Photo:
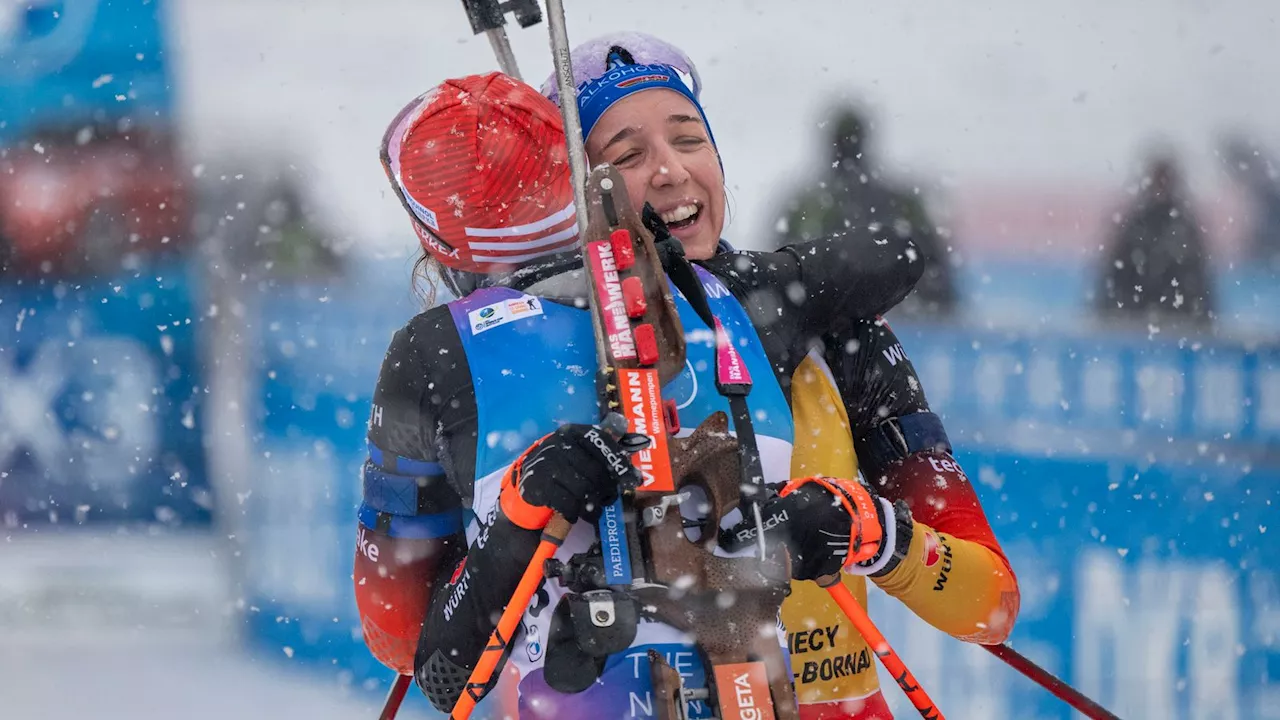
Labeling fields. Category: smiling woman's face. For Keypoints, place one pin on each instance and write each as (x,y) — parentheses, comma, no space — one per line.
(657,140)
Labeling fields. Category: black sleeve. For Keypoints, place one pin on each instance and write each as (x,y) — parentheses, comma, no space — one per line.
(424,416)
(424,406)
(806,290)
(425,411)
(879,385)
(464,612)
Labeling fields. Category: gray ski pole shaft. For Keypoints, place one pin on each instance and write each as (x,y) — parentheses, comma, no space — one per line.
(501,45)
(569,108)
(559,36)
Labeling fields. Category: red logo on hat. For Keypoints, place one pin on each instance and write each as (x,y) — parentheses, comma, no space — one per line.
(631,82)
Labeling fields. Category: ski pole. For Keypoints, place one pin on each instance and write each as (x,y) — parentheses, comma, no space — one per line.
(1047,680)
(559,38)
(552,536)
(894,664)
(395,697)
(489,17)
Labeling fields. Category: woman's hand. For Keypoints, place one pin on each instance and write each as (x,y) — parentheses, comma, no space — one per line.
(830,524)
(574,471)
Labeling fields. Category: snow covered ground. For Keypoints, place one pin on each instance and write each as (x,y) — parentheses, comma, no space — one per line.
(69,680)
(114,626)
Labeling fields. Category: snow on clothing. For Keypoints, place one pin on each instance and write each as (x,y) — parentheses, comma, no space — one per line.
(527,358)
(433,410)
(425,408)
(861,400)
(856,399)
(424,455)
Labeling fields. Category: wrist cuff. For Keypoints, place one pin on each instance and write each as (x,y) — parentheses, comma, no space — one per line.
(888,544)
(520,513)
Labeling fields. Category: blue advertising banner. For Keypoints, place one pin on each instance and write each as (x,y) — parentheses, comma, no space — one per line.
(1133,481)
(77,61)
(100,407)
(318,352)
(1153,589)
(1102,394)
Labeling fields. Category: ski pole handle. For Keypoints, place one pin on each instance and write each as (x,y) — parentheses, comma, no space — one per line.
(898,669)
(552,536)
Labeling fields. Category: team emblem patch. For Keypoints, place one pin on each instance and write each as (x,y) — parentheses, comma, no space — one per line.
(500,313)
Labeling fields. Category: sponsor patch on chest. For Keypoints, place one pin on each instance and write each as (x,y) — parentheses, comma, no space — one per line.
(500,313)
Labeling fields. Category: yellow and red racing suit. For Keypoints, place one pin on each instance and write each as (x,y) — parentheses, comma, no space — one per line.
(954,574)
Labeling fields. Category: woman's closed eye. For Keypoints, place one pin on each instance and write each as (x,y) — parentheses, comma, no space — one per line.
(627,158)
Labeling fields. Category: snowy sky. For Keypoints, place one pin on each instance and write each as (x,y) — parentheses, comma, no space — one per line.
(998,91)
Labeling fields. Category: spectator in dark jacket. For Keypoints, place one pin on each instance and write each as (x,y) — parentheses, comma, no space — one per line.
(1157,265)
(852,195)
(1259,175)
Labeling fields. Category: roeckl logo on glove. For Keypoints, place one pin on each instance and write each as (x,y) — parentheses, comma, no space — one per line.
(617,463)
(749,533)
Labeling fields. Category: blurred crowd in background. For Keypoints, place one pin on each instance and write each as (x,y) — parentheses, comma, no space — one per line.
(96,178)
(1157,262)
(96,196)
(104,198)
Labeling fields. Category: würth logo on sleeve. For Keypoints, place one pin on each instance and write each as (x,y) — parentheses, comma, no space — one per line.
(895,354)
(945,556)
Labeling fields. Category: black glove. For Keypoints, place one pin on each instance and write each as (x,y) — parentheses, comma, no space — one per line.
(574,471)
(820,518)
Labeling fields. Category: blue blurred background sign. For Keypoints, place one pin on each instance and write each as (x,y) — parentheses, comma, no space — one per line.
(100,354)
(100,417)
(66,61)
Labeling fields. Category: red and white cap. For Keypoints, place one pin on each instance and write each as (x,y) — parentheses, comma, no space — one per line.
(481,165)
